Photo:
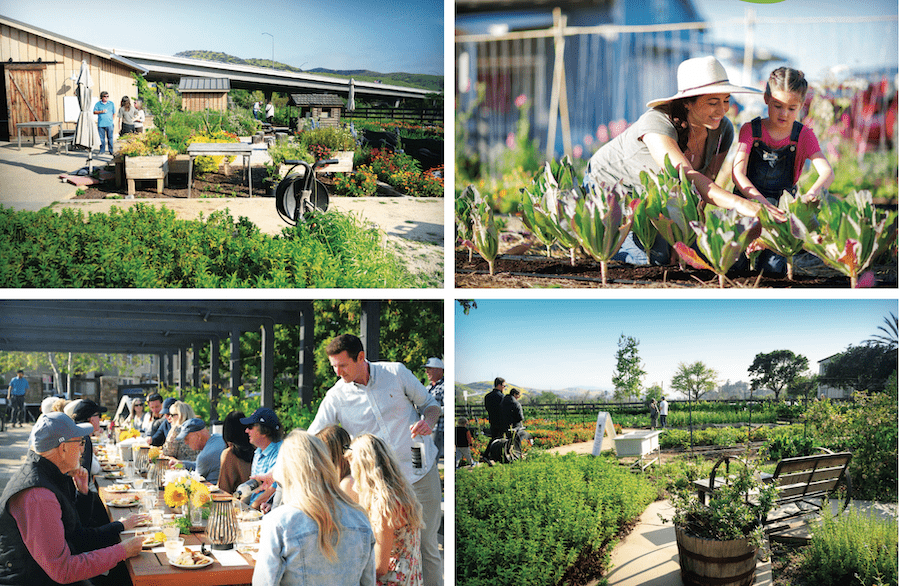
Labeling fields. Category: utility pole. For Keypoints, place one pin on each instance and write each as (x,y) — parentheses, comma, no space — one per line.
(273,49)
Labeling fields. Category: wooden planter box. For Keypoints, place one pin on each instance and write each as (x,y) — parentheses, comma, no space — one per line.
(344,164)
(152,167)
(180,164)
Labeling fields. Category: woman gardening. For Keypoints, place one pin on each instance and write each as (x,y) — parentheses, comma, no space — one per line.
(692,130)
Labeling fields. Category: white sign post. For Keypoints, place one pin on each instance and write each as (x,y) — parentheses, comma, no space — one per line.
(604,433)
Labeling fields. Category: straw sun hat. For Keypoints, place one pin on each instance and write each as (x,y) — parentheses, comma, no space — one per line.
(701,76)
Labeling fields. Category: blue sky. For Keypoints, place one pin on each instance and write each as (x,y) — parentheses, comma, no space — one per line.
(380,35)
(856,45)
(554,344)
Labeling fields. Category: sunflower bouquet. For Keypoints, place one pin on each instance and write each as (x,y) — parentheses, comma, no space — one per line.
(128,434)
(186,491)
(155,453)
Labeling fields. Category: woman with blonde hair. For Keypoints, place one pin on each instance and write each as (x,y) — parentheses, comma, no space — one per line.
(173,447)
(337,440)
(127,116)
(317,535)
(394,511)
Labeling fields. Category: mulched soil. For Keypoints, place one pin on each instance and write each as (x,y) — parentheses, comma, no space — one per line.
(209,185)
(539,271)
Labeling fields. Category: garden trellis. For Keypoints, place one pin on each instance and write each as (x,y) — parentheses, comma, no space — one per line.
(586,83)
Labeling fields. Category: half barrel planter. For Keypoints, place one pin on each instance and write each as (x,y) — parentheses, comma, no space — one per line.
(708,562)
(145,168)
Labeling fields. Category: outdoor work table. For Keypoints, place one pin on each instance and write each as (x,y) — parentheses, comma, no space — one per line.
(47,126)
(152,568)
(216,149)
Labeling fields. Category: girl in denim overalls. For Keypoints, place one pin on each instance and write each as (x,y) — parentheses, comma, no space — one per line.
(772,151)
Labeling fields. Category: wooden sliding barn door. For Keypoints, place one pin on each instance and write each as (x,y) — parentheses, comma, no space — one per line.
(27,96)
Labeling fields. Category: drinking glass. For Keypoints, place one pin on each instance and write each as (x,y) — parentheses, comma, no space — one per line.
(138,482)
(171,532)
(174,547)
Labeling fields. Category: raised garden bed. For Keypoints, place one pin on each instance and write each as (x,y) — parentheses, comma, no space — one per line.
(539,271)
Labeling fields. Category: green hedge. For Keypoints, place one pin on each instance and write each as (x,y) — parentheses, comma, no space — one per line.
(526,523)
(145,246)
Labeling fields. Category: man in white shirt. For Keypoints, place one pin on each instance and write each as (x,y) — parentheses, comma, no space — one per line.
(663,412)
(382,398)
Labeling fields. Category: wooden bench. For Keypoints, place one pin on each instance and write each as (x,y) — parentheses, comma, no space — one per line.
(802,484)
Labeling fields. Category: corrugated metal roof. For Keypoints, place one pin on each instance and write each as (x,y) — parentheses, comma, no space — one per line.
(204,84)
(315,100)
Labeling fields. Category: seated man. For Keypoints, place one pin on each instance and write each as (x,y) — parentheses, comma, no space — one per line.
(39,513)
(197,437)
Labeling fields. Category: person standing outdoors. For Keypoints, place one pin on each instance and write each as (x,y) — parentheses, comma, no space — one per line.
(663,412)
(654,413)
(15,398)
(270,112)
(492,405)
(385,399)
(106,112)
(513,414)
(434,368)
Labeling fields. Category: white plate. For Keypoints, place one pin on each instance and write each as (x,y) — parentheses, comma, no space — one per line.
(123,505)
(208,561)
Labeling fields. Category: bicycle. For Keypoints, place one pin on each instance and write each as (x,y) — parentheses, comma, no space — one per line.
(298,194)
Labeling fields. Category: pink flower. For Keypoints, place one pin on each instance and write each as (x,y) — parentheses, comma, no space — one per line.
(520,101)
(602,133)
(577,151)
(511,140)
(617,127)
(588,140)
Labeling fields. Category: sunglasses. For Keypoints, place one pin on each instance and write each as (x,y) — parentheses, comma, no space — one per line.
(79,440)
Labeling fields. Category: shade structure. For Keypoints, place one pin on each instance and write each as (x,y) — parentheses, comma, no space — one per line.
(86,133)
(351,99)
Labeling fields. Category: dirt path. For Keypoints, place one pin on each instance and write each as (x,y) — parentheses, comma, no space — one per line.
(414,227)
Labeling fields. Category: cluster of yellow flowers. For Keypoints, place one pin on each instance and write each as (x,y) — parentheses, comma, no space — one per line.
(155,453)
(128,434)
(185,489)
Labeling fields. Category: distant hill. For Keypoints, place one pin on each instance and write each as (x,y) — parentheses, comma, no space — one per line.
(433,83)
(477,390)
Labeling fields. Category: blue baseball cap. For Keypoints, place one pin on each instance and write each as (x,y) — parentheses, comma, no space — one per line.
(263,415)
(195,424)
(167,404)
(53,429)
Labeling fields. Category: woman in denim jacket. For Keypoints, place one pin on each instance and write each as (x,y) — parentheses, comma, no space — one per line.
(317,536)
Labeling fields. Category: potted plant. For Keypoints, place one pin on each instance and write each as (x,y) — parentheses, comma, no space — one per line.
(721,539)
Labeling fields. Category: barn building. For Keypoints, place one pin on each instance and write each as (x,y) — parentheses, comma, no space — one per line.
(201,93)
(37,65)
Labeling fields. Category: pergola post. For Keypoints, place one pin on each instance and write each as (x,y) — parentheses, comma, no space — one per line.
(213,378)
(307,360)
(161,369)
(267,385)
(368,329)
(235,361)
(195,363)
(182,367)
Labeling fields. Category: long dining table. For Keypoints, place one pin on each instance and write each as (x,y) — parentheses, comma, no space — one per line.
(152,568)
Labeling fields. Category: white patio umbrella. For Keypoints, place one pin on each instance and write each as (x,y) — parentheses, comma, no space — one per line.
(351,100)
(86,133)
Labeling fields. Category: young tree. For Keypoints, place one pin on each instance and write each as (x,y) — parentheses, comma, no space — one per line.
(776,370)
(694,380)
(628,375)
(654,392)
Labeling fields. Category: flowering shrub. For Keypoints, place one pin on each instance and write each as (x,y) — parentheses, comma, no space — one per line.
(152,142)
(211,164)
(404,173)
(319,152)
(360,183)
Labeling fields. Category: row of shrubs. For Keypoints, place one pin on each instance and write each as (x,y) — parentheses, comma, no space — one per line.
(146,246)
(529,523)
